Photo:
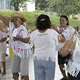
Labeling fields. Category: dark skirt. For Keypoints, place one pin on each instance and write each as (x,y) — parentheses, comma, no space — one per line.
(63,60)
(74,78)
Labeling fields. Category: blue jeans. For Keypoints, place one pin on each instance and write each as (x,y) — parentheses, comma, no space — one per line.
(44,70)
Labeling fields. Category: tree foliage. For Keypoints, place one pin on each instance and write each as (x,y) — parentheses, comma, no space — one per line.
(41,4)
(68,7)
(62,7)
(18,3)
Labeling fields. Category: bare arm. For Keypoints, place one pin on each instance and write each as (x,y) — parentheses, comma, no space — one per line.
(53,26)
(2,28)
(25,40)
(3,39)
(62,39)
(5,21)
(68,47)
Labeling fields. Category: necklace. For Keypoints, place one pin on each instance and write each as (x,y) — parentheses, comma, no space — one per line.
(62,29)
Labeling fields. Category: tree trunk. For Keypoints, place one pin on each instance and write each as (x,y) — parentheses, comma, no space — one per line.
(16,5)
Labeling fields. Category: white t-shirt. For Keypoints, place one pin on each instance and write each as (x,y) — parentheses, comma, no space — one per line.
(2,44)
(20,32)
(45,43)
(21,49)
(67,32)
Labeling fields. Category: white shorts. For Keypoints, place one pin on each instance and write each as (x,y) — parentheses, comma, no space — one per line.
(20,65)
(2,57)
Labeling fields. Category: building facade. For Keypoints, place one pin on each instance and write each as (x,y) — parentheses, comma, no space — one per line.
(6,5)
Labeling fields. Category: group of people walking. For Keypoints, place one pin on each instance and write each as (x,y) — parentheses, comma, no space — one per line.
(48,41)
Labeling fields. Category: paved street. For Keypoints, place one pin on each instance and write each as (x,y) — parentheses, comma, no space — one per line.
(8,76)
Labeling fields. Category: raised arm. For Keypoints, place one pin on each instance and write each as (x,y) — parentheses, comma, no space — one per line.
(5,21)
(68,47)
(2,28)
(61,37)
(25,40)
(3,39)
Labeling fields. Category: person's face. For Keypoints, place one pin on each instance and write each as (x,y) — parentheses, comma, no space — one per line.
(63,22)
(17,21)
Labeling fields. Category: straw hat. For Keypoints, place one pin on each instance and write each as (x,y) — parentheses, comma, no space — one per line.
(15,14)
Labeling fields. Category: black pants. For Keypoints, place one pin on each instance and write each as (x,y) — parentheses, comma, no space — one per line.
(63,60)
(74,78)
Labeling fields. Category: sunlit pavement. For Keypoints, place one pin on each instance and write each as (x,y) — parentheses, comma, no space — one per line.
(8,75)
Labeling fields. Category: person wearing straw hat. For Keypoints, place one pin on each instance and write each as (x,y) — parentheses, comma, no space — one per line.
(21,50)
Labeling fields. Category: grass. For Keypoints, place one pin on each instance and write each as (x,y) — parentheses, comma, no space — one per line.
(31,19)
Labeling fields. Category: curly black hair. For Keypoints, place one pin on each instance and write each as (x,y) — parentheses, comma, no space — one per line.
(43,22)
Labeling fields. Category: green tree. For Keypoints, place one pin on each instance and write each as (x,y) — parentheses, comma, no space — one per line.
(65,7)
(69,7)
(19,3)
(42,4)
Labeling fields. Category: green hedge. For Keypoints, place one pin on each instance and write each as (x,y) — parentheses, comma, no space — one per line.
(31,19)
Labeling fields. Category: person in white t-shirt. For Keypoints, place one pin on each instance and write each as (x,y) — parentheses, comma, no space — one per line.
(66,30)
(21,50)
(45,41)
(3,38)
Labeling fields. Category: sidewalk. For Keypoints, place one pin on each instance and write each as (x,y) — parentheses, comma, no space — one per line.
(8,76)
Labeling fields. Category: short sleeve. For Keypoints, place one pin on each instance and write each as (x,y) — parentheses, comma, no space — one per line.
(4,35)
(72,30)
(25,33)
(32,38)
(55,34)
